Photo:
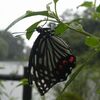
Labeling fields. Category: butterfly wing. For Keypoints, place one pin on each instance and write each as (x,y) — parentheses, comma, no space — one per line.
(50,62)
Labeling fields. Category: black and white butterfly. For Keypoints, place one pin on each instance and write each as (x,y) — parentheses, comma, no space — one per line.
(50,61)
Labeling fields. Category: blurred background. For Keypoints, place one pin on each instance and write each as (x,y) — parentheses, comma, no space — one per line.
(14,51)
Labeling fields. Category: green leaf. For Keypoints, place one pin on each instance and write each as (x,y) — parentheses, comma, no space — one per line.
(76,26)
(86,4)
(98,9)
(92,41)
(31,29)
(29,14)
(61,28)
(96,16)
(69,96)
(98,91)
(23,82)
(55,1)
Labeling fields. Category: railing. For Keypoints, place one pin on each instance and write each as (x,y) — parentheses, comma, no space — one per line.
(27,90)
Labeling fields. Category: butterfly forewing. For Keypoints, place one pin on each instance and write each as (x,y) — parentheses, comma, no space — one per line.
(50,60)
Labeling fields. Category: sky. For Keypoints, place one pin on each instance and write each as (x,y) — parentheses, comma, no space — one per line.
(12,9)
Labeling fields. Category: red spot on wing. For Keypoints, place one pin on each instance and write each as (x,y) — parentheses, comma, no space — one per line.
(71,59)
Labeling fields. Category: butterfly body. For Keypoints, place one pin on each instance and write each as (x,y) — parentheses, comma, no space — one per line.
(50,61)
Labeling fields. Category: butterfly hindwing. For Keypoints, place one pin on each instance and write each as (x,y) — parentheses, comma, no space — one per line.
(50,62)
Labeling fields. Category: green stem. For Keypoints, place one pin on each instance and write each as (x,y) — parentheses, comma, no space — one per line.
(15,21)
(58,20)
(76,30)
(79,31)
(56,14)
(56,10)
(82,32)
(22,17)
(42,13)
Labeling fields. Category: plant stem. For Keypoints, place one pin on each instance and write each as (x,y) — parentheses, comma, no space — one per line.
(15,21)
(79,31)
(56,14)
(82,32)
(56,10)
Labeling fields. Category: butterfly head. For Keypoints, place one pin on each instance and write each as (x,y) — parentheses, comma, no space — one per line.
(44,30)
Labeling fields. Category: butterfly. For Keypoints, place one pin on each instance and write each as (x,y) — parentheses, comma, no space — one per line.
(51,60)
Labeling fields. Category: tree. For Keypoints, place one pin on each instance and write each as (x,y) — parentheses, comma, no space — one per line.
(12,48)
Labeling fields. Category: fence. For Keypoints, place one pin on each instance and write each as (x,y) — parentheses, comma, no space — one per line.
(27,90)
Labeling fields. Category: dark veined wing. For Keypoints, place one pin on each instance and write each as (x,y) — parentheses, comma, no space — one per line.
(50,61)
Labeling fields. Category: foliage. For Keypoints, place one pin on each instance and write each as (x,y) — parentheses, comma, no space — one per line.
(12,48)
(69,96)
(86,4)
(54,16)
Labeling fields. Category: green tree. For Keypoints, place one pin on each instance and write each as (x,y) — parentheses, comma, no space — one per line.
(12,48)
